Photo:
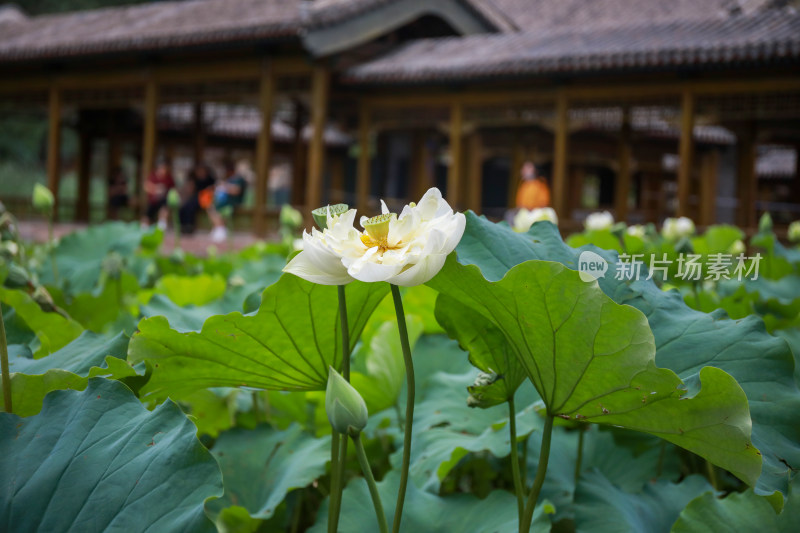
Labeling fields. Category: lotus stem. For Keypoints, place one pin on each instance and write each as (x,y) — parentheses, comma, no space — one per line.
(4,365)
(409,422)
(340,461)
(579,460)
(335,483)
(176,228)
(52,245)
(541,471)
(373,488)
(519,488)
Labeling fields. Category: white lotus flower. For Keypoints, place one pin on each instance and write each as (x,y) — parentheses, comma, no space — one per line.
(599,221)
(404,250)
(525,218)
(675,228)
(637,230)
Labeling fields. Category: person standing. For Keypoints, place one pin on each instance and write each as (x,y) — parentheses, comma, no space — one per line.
(533,191)
(228,195)
(117,192)
(200,183)
(156,187)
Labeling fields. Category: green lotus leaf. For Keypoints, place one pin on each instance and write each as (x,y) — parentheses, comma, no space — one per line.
(191,290)
(593,360)
(602,507)
(488,350)
(53,330)
(686,340)
(261,466)
(744,511)
(287,345)
(98,460)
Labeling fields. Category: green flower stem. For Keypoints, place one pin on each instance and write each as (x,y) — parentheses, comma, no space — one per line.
(335,483)
(541,471)
(4,365)
(579,460)
(409,422)
(519,488)
(373,488)
(176,228)
(340,461)
(52,244)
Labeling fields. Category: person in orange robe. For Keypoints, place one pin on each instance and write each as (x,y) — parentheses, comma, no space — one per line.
(533,192)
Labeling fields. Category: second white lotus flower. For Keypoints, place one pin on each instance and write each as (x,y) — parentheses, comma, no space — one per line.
(404,250)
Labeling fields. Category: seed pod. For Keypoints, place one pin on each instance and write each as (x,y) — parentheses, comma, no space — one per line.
(321,214)
(345,407)
(17,277)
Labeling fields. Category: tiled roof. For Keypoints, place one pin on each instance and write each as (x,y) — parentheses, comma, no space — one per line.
(765,35)
(147,26)
(182,23)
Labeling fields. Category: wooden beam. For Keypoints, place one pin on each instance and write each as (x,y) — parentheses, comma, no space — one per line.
(623,184)
(84,175)
(454,171)
(418,172)
(54,145)
(364,159)
(746,177)
(560,162)
(320,80)
(475,172)
(149,133)
(266,103)
(708,187)
(298,156)
(685,153)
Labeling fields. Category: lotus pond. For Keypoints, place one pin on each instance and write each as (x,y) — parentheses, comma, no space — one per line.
(154,390)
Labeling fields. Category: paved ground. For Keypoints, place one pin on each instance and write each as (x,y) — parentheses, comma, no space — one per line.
(198,243)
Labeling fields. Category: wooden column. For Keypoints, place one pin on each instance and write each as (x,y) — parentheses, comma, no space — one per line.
(475,172)
(560,163)
(623,184)
(84,175)
(364,159)
(199,133)
(114,155)
(515,173)
(336,166)
(685,152)
(708,187)
(421,179)
(266,102)
(149,137)
(54,145)
(746,177)
(454,171)
(298,156)
(316,149)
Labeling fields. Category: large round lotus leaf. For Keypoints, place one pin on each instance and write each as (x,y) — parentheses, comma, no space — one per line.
(97,460)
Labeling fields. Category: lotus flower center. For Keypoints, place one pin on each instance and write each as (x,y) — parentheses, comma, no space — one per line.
(377,231)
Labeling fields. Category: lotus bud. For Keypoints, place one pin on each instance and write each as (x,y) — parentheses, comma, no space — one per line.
(42,198)
(346,409)
(17,277)
(290,217)
(173,199)
(794,231)
(321,214)
(737,247)
(43,298)
(8,249)
(765,223)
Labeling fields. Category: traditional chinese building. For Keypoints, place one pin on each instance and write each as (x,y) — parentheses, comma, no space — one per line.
(644,107)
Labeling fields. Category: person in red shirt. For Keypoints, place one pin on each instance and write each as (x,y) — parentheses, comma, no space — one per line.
(156,187)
